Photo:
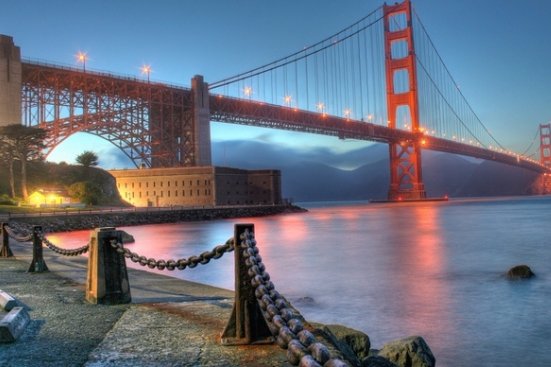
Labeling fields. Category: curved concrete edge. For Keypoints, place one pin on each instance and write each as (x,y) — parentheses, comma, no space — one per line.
(13,324)
(7,302)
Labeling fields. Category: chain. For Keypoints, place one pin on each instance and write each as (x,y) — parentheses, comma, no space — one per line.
(171,264)
(285,322)
(65,252)
(18,237)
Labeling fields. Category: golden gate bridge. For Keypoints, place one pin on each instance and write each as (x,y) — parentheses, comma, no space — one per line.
(380,79)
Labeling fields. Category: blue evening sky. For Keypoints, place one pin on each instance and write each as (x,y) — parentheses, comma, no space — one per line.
(497,50)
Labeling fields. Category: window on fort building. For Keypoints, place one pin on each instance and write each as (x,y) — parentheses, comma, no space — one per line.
(183,192)
(147,193)
(190,192)
(132,195)
(161,183)
(206,182)
(162,192)
(140,185)
(175,192)
(198,182)
(153,183)
(206,192)
(132,184)
(198,192)
(147,184)
(125,185)
(140,194)
(168,183)
(190,183)
(175,183)
(183,183)
(168,193)
(154,193)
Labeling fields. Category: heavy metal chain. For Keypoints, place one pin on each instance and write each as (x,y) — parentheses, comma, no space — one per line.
(65,252)
(283,320)
(171,264)
(18,237)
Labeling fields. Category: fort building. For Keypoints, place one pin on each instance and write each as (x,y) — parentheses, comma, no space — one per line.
(198,186)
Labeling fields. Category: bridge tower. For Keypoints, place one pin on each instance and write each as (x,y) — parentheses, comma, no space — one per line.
(545,145)
(10,82)
(545,156)
(406,182)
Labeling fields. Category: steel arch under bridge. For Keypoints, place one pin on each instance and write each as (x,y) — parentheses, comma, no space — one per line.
(153,124)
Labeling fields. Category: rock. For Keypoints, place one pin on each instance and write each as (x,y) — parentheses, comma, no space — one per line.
(409,352)
(520,272)
(127,237)
(377,361)
(336,347)
(356,340)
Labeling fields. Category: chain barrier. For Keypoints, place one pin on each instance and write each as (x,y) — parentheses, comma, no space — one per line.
(18,237)
(285,322)
(65,252)
(27,238)
(180,264)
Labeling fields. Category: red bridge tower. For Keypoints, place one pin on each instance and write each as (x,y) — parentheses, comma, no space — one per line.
(406,182)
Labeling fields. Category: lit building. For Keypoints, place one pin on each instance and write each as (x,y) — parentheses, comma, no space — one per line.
(198,186)
(43,198)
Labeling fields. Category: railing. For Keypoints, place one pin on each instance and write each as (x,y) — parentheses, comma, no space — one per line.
(260,314)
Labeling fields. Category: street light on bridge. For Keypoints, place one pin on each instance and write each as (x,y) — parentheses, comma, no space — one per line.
(81,58)
(146,69)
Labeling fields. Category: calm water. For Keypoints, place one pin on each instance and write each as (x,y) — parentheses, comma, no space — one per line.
(430,269)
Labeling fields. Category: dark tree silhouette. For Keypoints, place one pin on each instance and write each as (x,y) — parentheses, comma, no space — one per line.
(87,159)
(24,144)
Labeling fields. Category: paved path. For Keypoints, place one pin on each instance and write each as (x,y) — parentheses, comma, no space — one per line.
(171,322)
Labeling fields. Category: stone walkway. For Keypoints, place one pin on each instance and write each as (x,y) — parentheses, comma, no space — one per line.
(171,322)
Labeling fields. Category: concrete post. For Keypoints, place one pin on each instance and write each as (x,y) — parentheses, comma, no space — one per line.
(10,82)
(5,250)
(201,121)
(38,265)
(107,279)
(246,324)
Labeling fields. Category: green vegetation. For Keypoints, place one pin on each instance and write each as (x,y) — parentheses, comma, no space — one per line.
(87,159)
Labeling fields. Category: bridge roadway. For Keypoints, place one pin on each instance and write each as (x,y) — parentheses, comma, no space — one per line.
(245,112)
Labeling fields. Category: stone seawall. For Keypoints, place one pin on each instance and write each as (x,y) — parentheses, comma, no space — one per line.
(72,222)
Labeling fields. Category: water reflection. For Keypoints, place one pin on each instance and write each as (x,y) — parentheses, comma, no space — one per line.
(432,269)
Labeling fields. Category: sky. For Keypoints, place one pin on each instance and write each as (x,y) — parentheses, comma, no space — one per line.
(497,50)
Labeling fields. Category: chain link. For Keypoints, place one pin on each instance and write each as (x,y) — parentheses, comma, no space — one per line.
(284,321)
(180,264)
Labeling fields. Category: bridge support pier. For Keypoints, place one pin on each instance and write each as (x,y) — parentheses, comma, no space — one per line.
(10,82)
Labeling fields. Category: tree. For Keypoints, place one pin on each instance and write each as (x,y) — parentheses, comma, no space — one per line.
(87,192)
(6,155)
(22,143)
(87,159)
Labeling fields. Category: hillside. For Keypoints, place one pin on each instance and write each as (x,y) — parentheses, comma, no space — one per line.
(53,175)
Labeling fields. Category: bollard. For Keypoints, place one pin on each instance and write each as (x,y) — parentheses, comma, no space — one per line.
(38,265)
(5,250)
(246,324)
(107,279)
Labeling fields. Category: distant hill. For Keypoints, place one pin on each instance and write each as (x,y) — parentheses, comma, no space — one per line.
(313,176)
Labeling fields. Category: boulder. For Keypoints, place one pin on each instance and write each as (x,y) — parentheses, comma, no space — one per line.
(408,352)
(356,340)
(377,361)
(520,272)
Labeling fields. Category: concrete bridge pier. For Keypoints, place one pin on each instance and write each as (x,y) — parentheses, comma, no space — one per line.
(10,82)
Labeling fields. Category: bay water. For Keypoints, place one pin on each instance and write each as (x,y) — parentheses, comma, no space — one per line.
(435,269)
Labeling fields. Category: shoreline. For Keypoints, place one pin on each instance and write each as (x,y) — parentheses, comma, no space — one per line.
(83,221)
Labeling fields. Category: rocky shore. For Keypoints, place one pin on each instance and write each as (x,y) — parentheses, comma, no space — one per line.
(73,221)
